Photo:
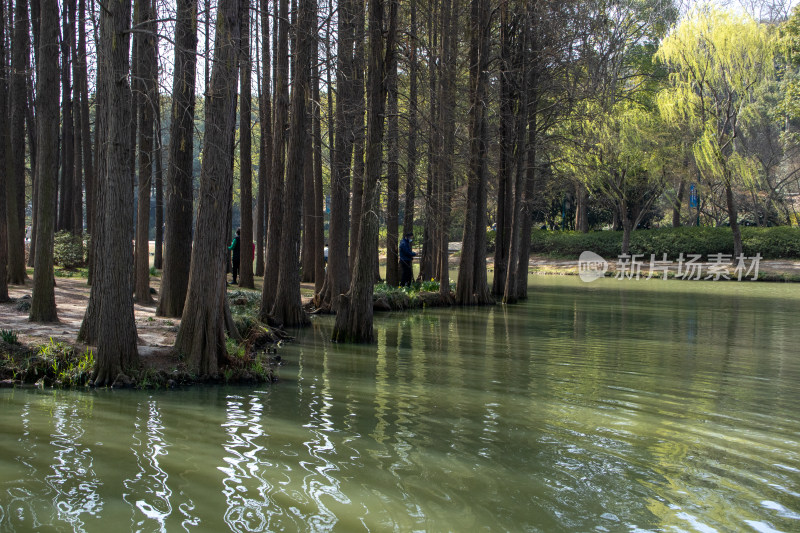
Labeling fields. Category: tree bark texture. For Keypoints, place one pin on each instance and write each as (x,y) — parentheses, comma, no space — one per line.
(265,148)
(392,175)
(272,264)
(245,153)
(287,309)
(148,72)
(116,328)
(338,273)
(201,337)
(411,150)
(43,304)
(4,152)
(472,287)
(65,201)
(178,246)
(318,223)
(354,318)
(15,183)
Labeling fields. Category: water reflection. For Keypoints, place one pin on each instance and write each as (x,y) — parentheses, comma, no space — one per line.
(148,492)
(588,408)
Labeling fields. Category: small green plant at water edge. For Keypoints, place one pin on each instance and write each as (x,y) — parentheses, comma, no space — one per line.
(9,336)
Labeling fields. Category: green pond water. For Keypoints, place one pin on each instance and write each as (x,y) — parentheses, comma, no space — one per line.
(610,406)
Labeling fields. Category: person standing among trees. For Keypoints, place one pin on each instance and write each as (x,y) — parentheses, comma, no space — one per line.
(406,256)
(235,248)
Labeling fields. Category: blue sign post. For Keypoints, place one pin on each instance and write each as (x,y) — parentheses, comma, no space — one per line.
(692,196)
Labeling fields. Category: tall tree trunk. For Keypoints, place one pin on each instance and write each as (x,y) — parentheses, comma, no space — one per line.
(308,259)
(30,123)
(115,328)
(354,318)
(77,184)
(158,254)
(359,131)
(287,309)
(43,303)
(472,287)
(427,264)
(148,71)
(245,153)
(201,336)
(447,93)
(505,172)
(517,210)
(15,183)
(4,152)
(65,210)
(411,150)
(318,222)
(271,269)
(175,277)
(676,207)
(265,148)
(581,208)
(392,175)
(733,218)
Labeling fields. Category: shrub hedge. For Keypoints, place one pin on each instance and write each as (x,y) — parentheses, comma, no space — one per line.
(781,242)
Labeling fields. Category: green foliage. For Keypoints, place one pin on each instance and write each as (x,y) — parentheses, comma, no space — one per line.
(772,243)
(154,272)
(9,336)
(245,305)
(68,250)
(717,60)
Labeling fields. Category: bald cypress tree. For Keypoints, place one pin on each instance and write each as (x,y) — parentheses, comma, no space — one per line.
(175,277)
(43,305)
(201,337)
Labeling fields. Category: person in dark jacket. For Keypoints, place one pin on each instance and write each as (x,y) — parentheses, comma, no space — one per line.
(236,249)
(406,256)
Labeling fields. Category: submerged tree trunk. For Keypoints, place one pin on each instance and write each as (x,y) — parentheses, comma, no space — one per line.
(338,269)
(472,287)
(43,305)
(175,277)
(271,269)
(201,337)
(15,182)
(354,318)
(287,309)
(148,71)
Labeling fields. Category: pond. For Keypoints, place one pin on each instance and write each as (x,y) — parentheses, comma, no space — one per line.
(610,406)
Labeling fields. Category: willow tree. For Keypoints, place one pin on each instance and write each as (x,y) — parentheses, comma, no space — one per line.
(718,59)
(622,158)
(201,337)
